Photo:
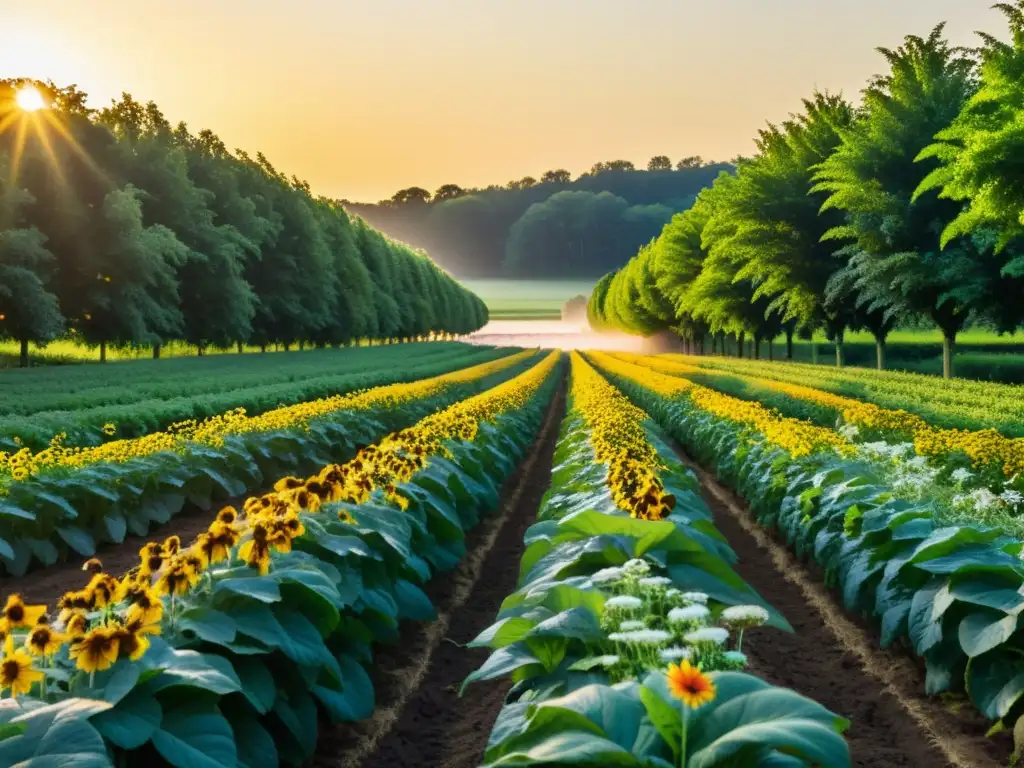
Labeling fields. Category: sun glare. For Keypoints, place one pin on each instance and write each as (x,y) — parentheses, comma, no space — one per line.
(29,99)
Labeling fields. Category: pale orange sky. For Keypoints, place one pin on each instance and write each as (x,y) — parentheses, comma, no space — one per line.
(363,97)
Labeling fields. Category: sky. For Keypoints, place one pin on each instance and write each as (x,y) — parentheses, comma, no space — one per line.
(364,97)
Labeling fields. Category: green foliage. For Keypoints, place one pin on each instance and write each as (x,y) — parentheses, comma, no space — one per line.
(252,664)
(74,509)
(129,231)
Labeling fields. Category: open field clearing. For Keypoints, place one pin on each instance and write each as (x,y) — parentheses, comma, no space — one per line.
(527,299)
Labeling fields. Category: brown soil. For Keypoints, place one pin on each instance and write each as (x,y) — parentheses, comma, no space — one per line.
(420,721)
(47,585)
(836,661)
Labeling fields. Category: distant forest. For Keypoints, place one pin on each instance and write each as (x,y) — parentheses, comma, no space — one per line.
(552,227)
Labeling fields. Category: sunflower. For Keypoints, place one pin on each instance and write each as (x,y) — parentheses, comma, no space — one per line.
(256,551)
(690,685)
(227,515)
(16,614)
(178,576)
(151,559)
(133,636)
(93,565)
(101,590)
(76,624)
(44,641)
(146,602)
(17,674)
(171,546)
(96,650)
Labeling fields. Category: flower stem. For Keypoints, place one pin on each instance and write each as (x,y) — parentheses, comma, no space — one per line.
(739,642)
(682,739)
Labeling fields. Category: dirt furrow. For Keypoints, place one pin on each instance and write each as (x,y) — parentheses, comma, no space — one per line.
(836,660)
(420,721)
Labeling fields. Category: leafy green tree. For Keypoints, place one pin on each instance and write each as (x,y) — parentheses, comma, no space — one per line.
(559,176)
(128,286)
(777,244)
(29,310)
(689,163)
(448,192)
(411,195)
(872,178)
(659,163)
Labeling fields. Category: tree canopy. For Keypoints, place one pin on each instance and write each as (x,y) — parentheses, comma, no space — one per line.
(906,206)
(119,228)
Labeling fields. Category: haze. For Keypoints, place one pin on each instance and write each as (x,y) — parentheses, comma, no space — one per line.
(363,97)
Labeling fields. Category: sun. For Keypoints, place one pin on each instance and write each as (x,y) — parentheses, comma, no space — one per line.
(29,99)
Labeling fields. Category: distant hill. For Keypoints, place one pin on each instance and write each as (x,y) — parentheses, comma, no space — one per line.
(553,228)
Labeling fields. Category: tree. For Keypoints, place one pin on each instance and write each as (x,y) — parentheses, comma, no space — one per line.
(559,176)
(872,178)
(574,310)
(411,196)
(777,245)
(29,310)
(688,163)
(448,192)
(659,163)
(128,287)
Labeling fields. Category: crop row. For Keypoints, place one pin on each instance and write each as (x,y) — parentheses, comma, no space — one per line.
(71,499)
(619,634)
(973,475)
(951,404)
(949,593)
(229,651)
(125,409)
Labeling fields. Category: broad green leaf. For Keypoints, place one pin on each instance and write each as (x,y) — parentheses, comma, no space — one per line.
(196,736)
(132,722)
(57,735)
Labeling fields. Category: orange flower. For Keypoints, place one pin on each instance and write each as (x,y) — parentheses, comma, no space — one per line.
(16,614)
(690,685)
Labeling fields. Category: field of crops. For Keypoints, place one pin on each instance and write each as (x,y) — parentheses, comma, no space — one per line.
(462,556)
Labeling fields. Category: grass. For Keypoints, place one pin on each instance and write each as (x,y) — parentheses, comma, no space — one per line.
(528,299)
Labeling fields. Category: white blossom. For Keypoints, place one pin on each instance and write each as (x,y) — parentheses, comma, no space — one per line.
(655,581)
(961,475)
(689,613)
(637,568)
(607,576)
(629,626)
(1012,497)
(744,615)
(675,653)
(715,635)
(695,597)
(624,602)
(641,636)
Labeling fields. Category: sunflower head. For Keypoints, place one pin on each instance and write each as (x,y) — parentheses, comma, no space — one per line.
(17,674)
(44,641)
(690,685)
(227,515)
(16,614)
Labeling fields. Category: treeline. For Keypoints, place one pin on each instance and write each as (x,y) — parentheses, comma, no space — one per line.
(908,205)
(553,226)
(118,228)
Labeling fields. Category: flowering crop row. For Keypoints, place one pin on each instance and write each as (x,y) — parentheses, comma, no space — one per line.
(73,498)
(97,403)
(618,635)
(230,650)
(947,403)
(950,593)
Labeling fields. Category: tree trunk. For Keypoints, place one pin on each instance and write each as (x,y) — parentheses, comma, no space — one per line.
(200,350)
(263,349)
(103,351)
(714,344)
(771,349)
(740,345)
(156,351)
(839,353)
(286,347)
(756,343)
(880,354)
(789,345)
(948,340)
(23,362)
(239,347)
(814,352)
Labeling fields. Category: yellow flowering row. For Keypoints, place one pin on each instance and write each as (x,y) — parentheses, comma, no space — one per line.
(212,431)
(113,618)
(620,442)
(798,438)
(985,447)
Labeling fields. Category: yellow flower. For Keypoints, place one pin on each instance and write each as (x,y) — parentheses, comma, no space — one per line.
(17,674)
(44,641)
(96,650)
(690,685)
(17,615)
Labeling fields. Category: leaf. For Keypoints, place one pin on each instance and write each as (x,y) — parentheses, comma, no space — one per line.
(982,631)
(208,624)
(666,718)
(205,671)
(257,684)
(132,722)
(356,700)
(261,588)
(78,540)
(115,527)
(413,602)
(196,736)
(995,682)
(59,734)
